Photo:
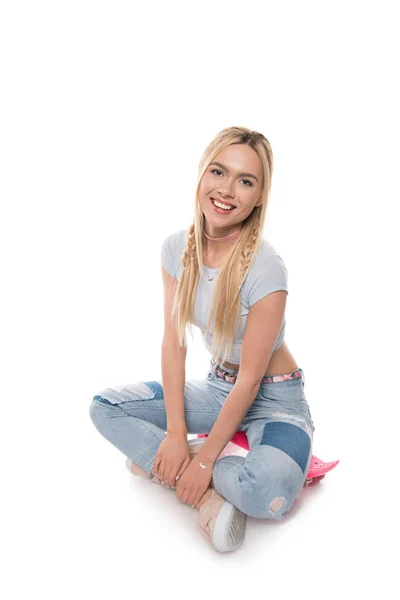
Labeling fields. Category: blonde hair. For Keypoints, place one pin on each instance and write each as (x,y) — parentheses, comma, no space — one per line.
(226,298)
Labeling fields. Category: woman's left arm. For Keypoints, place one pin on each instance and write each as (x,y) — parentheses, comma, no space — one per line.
(263,324)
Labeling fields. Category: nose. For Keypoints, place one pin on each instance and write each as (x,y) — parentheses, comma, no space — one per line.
(226,189)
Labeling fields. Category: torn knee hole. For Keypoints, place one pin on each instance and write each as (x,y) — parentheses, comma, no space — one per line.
(277,503)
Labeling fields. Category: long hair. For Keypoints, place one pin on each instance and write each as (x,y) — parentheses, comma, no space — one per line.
(225,312)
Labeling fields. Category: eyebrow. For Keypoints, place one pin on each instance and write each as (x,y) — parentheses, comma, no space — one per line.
(240,174)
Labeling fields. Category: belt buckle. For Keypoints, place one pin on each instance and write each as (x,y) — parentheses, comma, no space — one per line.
(229,377)
(224,374)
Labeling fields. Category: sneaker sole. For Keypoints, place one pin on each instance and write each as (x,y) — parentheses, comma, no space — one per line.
(229,529)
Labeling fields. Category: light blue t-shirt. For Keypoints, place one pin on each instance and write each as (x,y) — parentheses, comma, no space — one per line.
(267,274)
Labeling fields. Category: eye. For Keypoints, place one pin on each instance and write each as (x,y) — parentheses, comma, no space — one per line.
(219,171)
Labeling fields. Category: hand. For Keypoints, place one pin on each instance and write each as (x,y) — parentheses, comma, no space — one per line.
(194,483)
(172,458)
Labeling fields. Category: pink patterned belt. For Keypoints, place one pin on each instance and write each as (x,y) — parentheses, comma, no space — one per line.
(266,379)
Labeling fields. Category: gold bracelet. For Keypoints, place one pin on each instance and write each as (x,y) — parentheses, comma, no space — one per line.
(201,464)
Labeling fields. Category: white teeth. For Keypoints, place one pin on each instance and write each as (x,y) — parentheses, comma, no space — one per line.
(224,206)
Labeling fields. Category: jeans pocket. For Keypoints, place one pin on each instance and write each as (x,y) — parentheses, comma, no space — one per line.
(289,390)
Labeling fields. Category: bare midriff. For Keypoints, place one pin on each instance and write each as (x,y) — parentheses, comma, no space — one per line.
(281,362)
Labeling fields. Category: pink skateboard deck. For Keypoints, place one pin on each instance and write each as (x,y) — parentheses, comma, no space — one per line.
(240,446)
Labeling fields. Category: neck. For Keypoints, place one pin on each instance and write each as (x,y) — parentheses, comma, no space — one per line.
(231,236)
(216,247)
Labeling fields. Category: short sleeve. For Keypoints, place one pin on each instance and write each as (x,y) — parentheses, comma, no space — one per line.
(270,276)
(168,258)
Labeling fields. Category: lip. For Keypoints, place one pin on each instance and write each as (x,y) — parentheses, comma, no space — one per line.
(222,201)
(219,211)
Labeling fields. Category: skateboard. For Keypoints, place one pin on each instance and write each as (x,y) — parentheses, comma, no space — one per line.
(240,446)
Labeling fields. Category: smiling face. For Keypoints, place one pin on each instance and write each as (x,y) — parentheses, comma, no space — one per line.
(235,178)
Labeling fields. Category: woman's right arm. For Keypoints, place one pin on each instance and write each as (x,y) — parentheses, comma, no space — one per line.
(173,379)
(173,359)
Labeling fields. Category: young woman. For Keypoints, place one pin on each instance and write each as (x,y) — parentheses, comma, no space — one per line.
(223,277)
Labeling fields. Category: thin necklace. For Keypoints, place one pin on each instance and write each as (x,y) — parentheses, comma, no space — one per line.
(231,236)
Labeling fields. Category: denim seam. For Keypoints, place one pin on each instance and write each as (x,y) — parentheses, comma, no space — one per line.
(128,415)
(97,400)
(214,482)
(215,485)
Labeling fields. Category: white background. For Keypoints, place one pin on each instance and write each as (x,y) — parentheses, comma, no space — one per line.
(106,108)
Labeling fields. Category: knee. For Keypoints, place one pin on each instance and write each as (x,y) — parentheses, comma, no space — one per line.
(99,411)
(275,470)
(270,496)
(269,506)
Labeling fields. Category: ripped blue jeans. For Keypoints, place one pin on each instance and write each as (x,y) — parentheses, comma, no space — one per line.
(278,425)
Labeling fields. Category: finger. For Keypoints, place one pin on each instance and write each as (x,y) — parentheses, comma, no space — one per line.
(181,486)
(156,464)
(159,474)
(173,479)
(183,467)
(184,495)
(197,499)
(161,470)
(167,477)
(191,496)
(179,491)
(181,471)
(175,475)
